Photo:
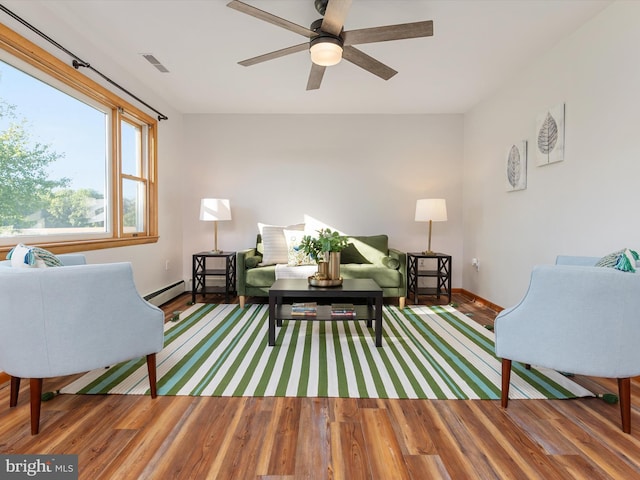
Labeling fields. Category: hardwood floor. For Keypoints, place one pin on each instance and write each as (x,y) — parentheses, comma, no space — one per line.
(129,437)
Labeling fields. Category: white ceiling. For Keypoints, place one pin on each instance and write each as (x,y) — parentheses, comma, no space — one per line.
(477,46)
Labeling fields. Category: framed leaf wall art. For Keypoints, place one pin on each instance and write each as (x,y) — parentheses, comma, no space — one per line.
(550,136)
(516,166)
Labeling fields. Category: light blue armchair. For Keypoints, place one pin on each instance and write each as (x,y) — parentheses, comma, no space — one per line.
(72,319)
(575,318)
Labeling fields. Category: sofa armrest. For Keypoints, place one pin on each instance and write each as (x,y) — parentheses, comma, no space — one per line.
(571,315)
(402,260)
(241,268)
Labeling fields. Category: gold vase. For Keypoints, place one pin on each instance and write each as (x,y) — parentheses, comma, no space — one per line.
(323,271)
(328,274)
(334,265)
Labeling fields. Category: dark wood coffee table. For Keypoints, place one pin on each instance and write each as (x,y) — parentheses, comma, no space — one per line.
(363,289)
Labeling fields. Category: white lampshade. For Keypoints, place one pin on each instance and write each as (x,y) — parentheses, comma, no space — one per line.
(214,209)
(431,209)
(326,52)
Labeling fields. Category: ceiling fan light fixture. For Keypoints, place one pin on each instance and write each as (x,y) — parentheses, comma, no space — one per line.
(326,50)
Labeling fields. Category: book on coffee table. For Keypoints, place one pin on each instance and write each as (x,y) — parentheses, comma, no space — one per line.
(304,309)
(343,310)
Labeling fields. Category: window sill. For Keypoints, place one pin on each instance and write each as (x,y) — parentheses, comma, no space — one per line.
(87,245)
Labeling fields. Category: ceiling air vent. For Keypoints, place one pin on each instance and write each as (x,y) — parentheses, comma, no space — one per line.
(155,62)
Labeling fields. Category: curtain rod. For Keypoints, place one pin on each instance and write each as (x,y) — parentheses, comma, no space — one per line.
(77,61)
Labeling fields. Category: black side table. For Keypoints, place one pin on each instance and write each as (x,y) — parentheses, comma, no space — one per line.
(200,272)
(442,274)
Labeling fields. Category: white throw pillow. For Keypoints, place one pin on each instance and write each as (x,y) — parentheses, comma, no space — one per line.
(297,226)
(295,255)
(19,256)
(274,243)
(22,256)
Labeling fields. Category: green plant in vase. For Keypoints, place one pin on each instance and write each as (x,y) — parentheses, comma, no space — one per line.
(319,248)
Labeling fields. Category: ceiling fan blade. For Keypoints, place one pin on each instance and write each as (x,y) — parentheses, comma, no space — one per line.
(368,63)
(335,15)
(389,32)
(276,54)
(270,18)
(315,76)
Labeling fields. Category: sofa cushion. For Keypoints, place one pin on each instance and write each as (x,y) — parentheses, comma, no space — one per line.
(366,249)
(261,277)
(384,277)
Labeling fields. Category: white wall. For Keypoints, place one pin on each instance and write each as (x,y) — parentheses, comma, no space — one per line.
(360,174)
(585,205)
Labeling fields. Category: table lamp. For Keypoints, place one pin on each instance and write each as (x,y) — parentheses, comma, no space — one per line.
(431,210)
(215,210)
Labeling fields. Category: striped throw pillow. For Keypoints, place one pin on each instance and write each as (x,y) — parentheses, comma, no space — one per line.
(35,257)
(623,260)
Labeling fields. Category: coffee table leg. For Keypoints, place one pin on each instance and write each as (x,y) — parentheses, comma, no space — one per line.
(379,321)
(272,321)
(370,312)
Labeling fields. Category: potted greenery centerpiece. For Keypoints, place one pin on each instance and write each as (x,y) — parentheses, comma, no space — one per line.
(325,249)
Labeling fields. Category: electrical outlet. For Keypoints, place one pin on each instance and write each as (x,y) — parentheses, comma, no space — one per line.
(166,265)
(476,263)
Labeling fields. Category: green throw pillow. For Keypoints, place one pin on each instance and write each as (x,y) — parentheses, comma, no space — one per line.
(251,262)
(623,260)
(365,249)
(391,263)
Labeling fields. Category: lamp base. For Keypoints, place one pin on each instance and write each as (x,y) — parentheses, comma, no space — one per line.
(216,251)
(428,252)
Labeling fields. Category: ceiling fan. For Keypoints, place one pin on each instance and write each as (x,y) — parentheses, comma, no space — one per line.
(329,43)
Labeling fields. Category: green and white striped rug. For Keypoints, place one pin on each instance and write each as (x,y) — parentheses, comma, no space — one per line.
(427,352)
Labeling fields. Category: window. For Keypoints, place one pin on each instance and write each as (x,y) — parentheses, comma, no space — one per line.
(77,163)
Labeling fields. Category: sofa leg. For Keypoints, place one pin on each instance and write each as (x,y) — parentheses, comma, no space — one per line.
(401,301)
(624,393)
(506,379)
(151,370)
(35,386)
(242,299)
(15,389)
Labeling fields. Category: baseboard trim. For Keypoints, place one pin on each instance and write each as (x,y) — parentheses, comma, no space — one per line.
(166,294)
(483,301)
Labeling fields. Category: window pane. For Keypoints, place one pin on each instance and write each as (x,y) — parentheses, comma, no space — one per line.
(131,149)
(53,160)
(133,196)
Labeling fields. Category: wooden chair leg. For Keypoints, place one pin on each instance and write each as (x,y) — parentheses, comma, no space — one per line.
(35,386)
(242,299)
(401,302)
(506,379)
(624,393)
(151,368)
(15,390)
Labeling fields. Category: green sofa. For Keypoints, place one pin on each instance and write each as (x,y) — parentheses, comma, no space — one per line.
(364,257)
